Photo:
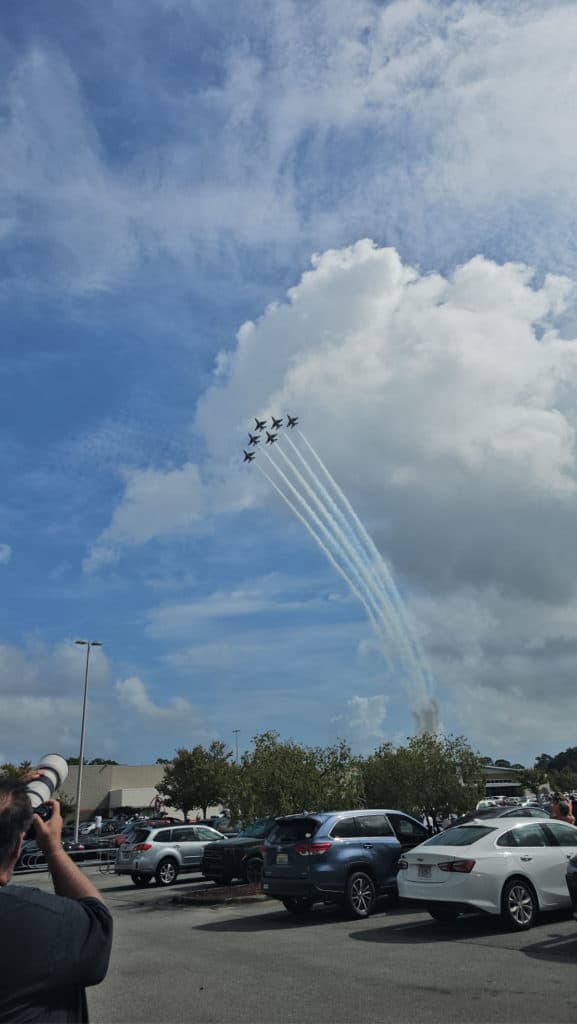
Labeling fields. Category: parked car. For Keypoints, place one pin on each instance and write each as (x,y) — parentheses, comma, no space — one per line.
(120,837)
(31,856)
(162,853)
(505,868)
(571,880)
(238,857)
(528,811)
(346,857)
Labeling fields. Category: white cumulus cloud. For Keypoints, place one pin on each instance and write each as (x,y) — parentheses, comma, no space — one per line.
(445,406)
(155,503)
(133,693)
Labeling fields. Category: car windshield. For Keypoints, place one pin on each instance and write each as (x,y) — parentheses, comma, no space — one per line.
(257,830)
(462,835)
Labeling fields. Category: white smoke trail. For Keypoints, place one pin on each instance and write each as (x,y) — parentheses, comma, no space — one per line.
(356,563)
(368,565)
(375,556)
(317,539)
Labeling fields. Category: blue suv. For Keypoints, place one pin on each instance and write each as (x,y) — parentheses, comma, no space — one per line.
(346,857)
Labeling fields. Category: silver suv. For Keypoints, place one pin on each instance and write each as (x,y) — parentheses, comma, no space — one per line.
(162,853)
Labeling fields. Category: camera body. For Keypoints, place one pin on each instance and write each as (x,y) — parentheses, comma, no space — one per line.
(54,771)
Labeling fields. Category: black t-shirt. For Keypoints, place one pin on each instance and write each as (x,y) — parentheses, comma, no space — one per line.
(50,948)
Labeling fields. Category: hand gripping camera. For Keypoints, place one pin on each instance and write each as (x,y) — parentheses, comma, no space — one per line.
(54,772)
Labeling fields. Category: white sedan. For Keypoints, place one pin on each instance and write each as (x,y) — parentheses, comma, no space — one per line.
(511,870)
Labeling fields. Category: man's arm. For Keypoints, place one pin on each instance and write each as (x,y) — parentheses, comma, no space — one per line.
(67,878)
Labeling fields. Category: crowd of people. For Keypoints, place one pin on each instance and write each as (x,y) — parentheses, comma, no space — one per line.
(559,805)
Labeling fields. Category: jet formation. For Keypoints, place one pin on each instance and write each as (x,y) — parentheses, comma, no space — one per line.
(260,427)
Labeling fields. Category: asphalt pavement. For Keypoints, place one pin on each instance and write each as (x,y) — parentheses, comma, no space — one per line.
(255,962)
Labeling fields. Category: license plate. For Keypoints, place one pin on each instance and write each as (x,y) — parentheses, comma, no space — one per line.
(282,858)
(424,871)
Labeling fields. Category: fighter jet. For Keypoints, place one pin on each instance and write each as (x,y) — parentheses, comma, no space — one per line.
(253,439)
(291,421)
(248,456)
(271,438)
(276,423)
(260,424)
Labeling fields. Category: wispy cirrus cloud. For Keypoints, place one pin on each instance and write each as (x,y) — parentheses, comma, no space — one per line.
(402,98)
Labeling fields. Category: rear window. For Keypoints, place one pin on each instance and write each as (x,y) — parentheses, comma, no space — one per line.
(293,831)
(140,835)
(461,835)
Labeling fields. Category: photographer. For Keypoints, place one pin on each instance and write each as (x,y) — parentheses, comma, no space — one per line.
(51,946)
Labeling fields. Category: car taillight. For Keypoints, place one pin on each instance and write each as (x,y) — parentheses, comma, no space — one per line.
(310,849)
(141,847)
(464,866)
(403,864)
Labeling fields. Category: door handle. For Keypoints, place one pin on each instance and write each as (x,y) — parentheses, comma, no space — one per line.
(525,857)
(367,846)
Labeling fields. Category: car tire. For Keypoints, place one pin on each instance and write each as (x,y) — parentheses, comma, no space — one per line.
(298,905)
(166,872)
(519,905)
(253,871)
(444,916)
(360,894)
(140,880)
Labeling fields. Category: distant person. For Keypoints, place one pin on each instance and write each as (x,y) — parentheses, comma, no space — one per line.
(565,813)
(51,946)
(554,811)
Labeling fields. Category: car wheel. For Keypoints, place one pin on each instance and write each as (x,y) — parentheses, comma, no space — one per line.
(166,872)
(518,905)
(299,905)
(140,881)
(445,916)
(253,871)
(360,894)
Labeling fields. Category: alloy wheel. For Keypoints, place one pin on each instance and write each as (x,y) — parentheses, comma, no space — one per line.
(519,905)
(360,894)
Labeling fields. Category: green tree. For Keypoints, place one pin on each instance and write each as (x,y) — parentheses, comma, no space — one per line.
(388,780)
(13,771)
(533,778)
(197,777)
(283,777)
(431,775)
(276,777)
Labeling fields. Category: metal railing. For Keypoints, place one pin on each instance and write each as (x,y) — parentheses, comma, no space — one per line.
(102,857)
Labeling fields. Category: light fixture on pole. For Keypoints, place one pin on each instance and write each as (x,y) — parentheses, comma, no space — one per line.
(88,644)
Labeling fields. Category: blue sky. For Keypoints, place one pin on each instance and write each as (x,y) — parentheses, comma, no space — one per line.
(172,171)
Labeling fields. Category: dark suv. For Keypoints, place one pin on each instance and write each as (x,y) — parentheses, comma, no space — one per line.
(240,857)
(347,857)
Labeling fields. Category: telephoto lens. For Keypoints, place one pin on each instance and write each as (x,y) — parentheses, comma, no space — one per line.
(54,771)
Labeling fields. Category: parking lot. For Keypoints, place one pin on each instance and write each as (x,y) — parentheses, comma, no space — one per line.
(254,962)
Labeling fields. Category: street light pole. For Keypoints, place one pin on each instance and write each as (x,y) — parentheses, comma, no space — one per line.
(236,732)
(88,644)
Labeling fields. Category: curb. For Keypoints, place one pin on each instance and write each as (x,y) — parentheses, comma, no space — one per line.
(219,897)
